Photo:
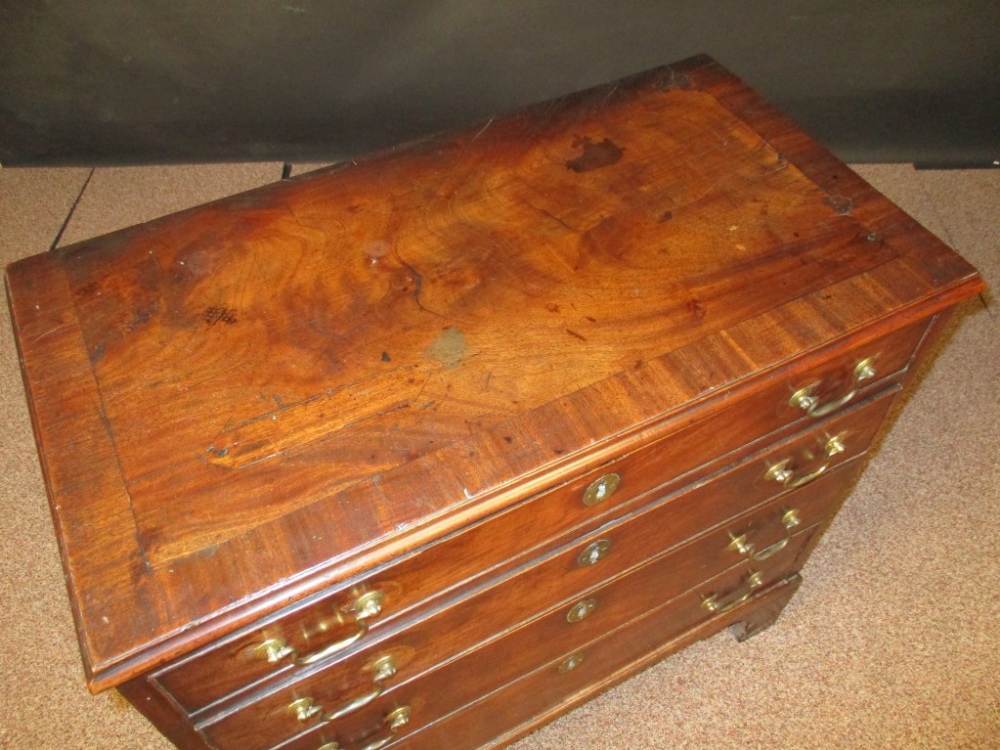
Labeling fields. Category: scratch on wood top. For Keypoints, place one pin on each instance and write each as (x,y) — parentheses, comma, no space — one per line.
(272,435)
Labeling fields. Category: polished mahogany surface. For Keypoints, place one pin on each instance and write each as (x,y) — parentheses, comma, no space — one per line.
(276,397)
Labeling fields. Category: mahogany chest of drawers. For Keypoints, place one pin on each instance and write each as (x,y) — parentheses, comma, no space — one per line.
(421,450)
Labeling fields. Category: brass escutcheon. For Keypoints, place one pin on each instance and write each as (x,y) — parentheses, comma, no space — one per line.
(601,489)
(580,610)
(570,663)
(594,552)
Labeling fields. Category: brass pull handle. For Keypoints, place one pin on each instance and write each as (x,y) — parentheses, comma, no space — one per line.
(753,582)
(781,473)
(805,398)
(771,549)
(396,719)
(365,607)
(383,669)
(790,519)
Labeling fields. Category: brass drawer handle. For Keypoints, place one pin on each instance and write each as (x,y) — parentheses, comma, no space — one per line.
(383,669)
(365,607)
(805,398)
(753,582)
(396,719)
(790,519)
(781,473)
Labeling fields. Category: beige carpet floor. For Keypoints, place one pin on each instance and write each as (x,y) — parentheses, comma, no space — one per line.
(892,642)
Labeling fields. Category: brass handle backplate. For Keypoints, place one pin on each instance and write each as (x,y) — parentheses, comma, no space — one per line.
(365,607)
(807,400)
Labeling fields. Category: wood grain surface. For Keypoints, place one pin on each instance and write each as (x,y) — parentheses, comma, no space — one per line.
(245,402)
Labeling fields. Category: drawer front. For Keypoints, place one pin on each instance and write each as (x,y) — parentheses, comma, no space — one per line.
(599,556)
(770,547)
(466,680)
(323,628)
(576,670)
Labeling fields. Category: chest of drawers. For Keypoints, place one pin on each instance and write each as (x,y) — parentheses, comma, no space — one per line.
(422,450)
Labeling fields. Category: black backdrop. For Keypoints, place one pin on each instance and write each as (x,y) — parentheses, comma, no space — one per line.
(152,81)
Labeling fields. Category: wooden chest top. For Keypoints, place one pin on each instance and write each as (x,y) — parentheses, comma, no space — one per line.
(241,403)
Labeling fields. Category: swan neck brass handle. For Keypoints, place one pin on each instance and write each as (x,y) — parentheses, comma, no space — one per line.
(782,472)
(789,520)
(396,720)
(771,549)
(753,581)
(383,668)
(364,607)
(807,400)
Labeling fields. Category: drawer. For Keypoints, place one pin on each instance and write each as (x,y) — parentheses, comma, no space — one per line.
(576,669)
(767,540)
(322,627)
(618,546)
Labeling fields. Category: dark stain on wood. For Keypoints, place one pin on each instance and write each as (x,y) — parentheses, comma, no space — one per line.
(595,155)
(220,314)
